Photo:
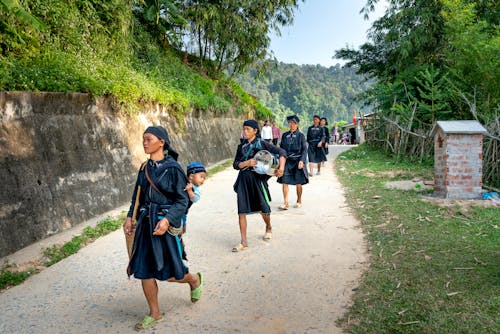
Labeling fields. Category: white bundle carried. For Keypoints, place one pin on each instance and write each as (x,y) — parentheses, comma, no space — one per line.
(266,163)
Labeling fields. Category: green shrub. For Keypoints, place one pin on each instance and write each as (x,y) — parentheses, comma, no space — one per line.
(10,278)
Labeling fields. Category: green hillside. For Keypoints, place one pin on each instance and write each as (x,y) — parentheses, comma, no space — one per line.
(307,90)
(115,48)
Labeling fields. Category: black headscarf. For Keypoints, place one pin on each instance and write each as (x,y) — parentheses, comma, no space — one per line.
(251,123)
(161,133)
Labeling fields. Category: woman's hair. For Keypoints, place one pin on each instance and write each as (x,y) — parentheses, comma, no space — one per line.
(253,124)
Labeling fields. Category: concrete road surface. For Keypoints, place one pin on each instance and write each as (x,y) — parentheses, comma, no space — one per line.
(300,282)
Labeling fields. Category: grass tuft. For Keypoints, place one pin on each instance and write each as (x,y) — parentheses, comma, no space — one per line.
(56,253)
(10,278)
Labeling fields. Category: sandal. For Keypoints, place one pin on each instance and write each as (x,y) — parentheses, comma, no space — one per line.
(268,235)
(298,205)
(239,248)
(196,293)
(283,207)
(147,322)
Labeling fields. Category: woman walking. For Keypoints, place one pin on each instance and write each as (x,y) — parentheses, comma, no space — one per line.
(156,252)
(276,133)
(267,132)
(251,188)
(315,140)
(324,124)
(295,172)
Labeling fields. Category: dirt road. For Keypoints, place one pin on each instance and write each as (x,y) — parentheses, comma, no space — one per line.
(300,282)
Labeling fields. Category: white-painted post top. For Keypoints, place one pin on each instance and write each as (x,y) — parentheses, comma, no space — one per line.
(462,127)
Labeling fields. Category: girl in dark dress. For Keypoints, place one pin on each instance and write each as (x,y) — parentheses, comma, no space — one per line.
(251,188)
(295,173)
(156,252)
(324,124)
(315,140)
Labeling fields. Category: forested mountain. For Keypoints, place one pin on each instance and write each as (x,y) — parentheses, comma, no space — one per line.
(307,90)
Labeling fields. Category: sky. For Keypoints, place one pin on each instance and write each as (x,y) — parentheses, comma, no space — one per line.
(320,27)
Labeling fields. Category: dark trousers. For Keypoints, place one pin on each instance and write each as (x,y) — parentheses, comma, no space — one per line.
(275,141)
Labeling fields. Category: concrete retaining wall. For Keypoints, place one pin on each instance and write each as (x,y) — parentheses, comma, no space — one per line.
(65,158)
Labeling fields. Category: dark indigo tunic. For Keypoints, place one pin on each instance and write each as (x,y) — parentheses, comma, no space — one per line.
(159,256)
(327,140)
(251,188)
(295,145)
(315,135)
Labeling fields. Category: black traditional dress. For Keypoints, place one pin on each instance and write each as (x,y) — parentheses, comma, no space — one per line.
(327,141)
(251,188)
(294,143)
(159,256)
(315,135)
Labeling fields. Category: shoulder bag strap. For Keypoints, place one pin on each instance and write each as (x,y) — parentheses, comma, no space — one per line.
(151,181)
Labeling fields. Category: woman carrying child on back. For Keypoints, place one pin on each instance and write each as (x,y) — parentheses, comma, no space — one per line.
(251,188)
(156,252)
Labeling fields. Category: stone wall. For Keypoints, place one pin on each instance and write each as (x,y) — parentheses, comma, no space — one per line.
(65,158)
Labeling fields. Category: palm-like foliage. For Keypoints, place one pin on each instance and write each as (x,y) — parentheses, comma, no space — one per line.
(15,9)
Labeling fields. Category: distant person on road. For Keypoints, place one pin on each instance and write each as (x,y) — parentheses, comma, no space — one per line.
(161,202)
(324,124)
(251,188)
(335,133)
(295,173)
(315,140)
(267,132)
(276,133)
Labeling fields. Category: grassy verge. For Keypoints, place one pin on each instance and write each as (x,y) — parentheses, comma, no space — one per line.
(56,253)
(10,277)
(434,268)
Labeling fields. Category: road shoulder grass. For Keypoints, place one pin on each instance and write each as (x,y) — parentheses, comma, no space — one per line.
(434,266)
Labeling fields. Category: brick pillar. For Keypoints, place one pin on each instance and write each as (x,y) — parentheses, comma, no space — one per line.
(458,160)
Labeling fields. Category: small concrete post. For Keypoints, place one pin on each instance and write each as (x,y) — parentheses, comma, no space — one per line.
(458,159)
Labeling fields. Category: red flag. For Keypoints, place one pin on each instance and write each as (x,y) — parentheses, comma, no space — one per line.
(354,117)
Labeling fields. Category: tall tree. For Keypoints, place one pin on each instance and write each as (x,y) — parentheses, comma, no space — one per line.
(231,34)
(407,38)
(455,37)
